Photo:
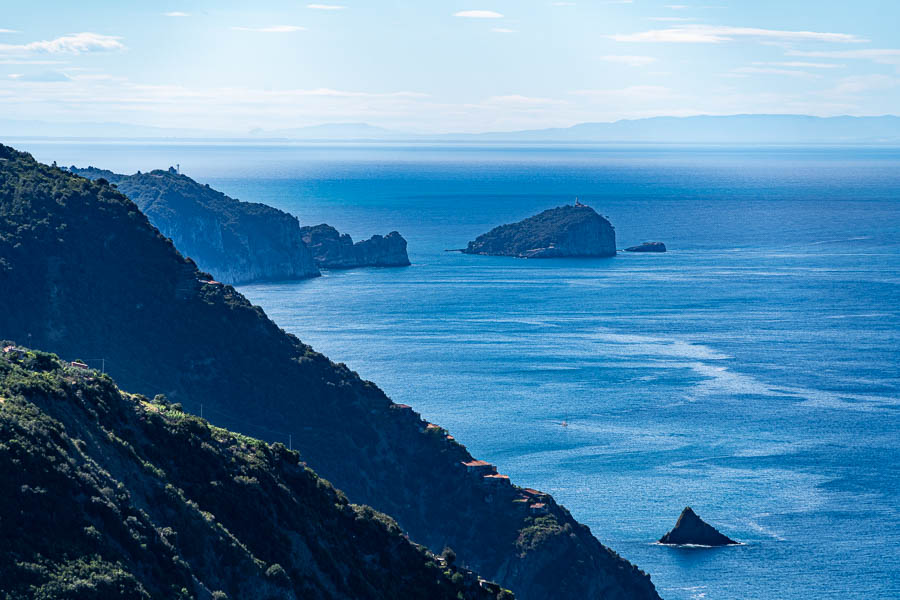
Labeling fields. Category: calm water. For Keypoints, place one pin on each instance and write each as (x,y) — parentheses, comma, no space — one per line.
(752,372)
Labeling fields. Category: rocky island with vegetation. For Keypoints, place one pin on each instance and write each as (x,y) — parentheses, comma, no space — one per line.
(565,231)
(85,274)
(334,250)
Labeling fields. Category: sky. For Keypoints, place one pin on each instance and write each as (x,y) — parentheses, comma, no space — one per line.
(442,65)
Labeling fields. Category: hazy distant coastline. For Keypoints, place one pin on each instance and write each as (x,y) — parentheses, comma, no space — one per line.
(704,129)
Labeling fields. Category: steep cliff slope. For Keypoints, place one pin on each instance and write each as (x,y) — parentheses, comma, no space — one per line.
(85,275)
(565,231)
(107,495)
(333,250)
(237,242)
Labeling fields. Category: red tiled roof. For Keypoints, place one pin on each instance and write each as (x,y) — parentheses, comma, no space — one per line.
(533,492)
(478,463)
(496,476)
(539,505)
(402,406)
(433,426)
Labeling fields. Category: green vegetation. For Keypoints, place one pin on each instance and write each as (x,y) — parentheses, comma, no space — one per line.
(236,241)
(108,495)
(84,274)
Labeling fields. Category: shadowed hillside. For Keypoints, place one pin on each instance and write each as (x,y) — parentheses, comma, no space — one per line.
(87,276)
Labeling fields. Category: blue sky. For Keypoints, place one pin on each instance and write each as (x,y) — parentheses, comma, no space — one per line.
(443,65)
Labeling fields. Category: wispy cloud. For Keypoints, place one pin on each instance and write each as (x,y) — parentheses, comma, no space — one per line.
(630,60)
(478,14)
(45,77)
(326,6)
(671,19)
(885,56)
(775,71)
(713,34)
(9,31)
(516,100)
(633,92)
(502,30)
(176,13)
(73,43)
(272,29)
(800,64)
(860,84)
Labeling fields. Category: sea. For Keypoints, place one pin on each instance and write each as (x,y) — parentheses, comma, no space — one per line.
(752,372)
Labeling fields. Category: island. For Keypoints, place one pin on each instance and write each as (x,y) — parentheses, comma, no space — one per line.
(648,247)
(566,231)
(691,530)
(334,250)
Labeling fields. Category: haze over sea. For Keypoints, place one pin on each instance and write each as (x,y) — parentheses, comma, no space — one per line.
(751,372)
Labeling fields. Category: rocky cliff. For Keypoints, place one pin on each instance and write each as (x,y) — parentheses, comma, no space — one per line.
(333,250)
(110,495)
(565,231)
(237,242)
(84,274)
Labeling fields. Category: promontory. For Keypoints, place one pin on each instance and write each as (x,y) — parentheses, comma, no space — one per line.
(566,231)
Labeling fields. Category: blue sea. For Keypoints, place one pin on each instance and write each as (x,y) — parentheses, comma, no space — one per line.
(752,372)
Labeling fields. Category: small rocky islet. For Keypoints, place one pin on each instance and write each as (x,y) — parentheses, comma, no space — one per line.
(565,231)
(648,247)
(691,530)
(334,250)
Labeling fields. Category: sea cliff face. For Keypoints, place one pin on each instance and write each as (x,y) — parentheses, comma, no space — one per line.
(565,231)
(85,274)
(237,242)
(333,250)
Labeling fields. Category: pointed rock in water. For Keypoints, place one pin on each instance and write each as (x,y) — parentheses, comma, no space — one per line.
(648,247)
(691,529)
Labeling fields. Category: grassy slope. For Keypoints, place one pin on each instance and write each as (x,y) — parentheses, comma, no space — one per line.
(109,495)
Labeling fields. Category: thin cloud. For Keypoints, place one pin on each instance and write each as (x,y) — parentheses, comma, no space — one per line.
(73,43)
(801,64)
(502,30)
(272,29)
(326,6)
(865,83)
(714,34)
(630,60)
(9,31)
(884,56)
(523,101)
(176,14)
(775,71)
(478,14)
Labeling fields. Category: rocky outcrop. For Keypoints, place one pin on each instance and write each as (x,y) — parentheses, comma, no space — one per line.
(334,250)
(692,530)
(648,247)
(565,231)
(237,242)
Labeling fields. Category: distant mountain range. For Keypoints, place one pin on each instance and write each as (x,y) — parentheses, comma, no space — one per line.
(704,129)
